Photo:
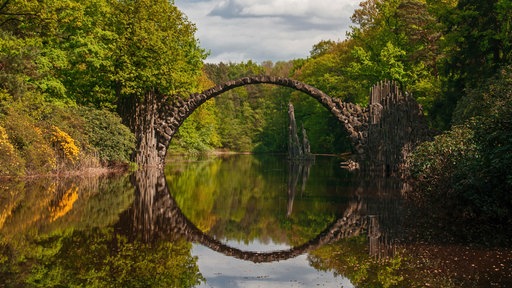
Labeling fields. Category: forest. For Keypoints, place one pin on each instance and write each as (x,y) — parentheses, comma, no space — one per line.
(69,71)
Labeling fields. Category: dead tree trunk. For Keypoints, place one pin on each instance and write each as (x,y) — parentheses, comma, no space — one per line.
(297,150)
(294,146)
(306,148)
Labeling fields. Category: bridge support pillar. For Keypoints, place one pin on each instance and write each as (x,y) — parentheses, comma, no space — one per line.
(396,125)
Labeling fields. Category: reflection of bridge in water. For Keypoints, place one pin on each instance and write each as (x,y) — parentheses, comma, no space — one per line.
(156,215)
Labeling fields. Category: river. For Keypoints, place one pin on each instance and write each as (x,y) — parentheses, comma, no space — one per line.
(233,221)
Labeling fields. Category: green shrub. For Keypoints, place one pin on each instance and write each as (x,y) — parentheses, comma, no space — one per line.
(35,132)
(109,138)
(435,165)
(466,170)
(10,162)
(100,133)
(29,142)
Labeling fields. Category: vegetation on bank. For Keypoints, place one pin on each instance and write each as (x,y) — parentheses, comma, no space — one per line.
(466,170)
(50,138)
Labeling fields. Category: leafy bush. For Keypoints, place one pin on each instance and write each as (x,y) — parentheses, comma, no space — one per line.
(466,170)
(10,162)
(34,132)
(108,137)
(29,141)
(435,165)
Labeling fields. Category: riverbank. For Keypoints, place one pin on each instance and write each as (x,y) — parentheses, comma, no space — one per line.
(80,173)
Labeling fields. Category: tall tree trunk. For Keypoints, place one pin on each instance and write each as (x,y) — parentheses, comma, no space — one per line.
(140,114)
(297,149)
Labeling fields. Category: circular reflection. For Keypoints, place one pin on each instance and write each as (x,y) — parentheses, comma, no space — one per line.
(157,215)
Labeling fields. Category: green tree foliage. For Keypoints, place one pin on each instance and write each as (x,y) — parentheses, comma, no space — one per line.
(445,170)
(199,133)
(57,54)
(326,69)
(244,112)
(273,136)
(19,73)
(255,117)
(325,132)
(477,41)
(397,40)
(97,50)
(390,40)
(156,48)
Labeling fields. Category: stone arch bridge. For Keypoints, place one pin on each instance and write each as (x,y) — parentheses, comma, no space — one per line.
(383,132)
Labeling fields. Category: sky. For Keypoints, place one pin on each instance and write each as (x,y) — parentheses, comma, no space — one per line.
(225,271)
(260,30)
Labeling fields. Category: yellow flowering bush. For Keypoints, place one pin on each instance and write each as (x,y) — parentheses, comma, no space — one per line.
(65,144)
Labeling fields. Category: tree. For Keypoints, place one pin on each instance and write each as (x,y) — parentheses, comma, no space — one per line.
(444,170)
(397,40)
(200,131)
(128,54)
(326,70)
(157,55)
(478,44)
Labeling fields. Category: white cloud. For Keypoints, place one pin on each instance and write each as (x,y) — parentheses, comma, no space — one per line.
(327,9)
(241,30)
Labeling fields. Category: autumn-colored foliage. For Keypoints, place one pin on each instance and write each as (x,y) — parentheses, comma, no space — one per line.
(65,145)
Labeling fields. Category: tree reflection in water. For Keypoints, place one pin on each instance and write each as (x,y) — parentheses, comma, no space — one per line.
(59,233)
(99,233)
(162,218)
(296,169)
(379,256)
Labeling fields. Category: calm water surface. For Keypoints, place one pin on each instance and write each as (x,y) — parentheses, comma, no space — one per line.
(261,204)
(232,221)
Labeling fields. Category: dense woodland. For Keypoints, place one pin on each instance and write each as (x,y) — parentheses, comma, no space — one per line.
(69,68)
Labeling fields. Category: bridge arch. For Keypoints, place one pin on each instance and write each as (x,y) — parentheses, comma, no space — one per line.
(353,223)
(352,116)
